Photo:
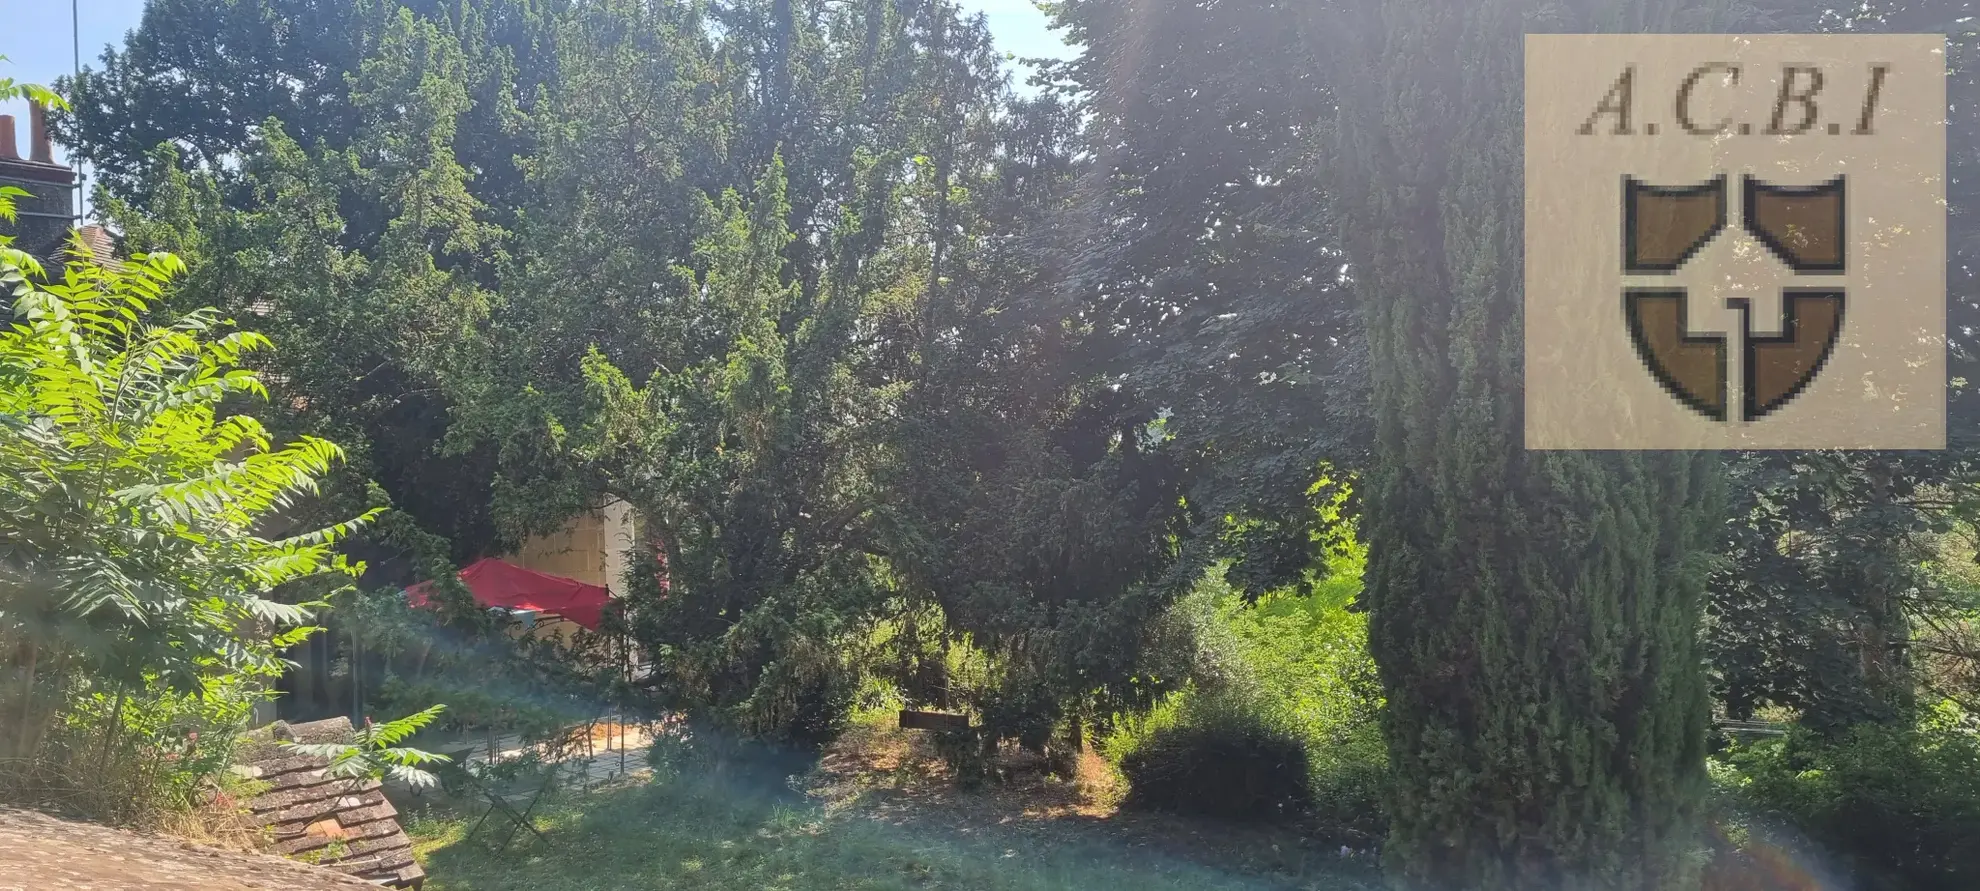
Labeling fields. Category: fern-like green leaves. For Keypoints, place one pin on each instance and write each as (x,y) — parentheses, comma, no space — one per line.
(374,753)
(135,499)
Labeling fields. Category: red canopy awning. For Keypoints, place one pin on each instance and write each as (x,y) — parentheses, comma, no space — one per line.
(495,583)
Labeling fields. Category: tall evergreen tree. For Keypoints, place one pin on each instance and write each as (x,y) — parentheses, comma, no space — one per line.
(1204,262)
(1533,615)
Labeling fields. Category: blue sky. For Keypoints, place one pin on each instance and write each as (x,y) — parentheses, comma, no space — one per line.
(39,46)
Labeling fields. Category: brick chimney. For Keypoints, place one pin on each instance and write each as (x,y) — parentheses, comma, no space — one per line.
(46,214)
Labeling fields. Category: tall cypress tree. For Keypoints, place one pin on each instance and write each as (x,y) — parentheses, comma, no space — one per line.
(1534,615)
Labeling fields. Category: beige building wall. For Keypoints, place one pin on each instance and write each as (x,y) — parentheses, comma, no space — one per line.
(593,548)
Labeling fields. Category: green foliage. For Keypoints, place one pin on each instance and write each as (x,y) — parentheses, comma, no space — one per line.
(521,257)
(146,528)
(761,618)
(134,754)
(1127,388)
(11,89)
(362,256)
(1898,806)
(1212,288)
(1833,564)
(1310,659)
(1289,670)
(133,501)
(1947,633)
(1533,615)
(1011,403)
(374,753)
(1222,755)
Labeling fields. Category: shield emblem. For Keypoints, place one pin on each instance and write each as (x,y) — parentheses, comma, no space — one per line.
(1801,226)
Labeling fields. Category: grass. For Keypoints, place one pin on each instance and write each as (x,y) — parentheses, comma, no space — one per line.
(707,833)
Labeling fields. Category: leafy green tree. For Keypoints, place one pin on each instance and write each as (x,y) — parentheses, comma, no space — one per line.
(631,145)
(1828,584)
(204,74)
(773,353)
(348,217)
(145,532)
(745,468)
(1827,603)
(1013,517)
(363,262)
(1207,265)
(1126,368)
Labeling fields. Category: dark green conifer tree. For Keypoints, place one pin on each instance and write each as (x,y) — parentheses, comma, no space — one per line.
(1534,615)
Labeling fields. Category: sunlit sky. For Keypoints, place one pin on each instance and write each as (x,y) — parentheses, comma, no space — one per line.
(39,42)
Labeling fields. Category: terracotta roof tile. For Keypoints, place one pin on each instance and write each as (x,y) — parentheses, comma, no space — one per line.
(380,811)
(303,840)
(270,768)
(391,860)
(280,798)
(311,814)
(100,244)
(395,841)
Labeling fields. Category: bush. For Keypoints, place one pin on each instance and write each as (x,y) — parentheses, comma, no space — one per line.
(1293,663)
(966,755)
(144,536)
(136,754)
(1223,756)
(1308,656)
(1897,806)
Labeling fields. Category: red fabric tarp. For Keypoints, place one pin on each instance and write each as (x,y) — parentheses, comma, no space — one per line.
(495,583)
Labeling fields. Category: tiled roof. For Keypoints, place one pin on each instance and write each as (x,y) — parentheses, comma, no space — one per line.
(39,852)
(101,245)
(346,825)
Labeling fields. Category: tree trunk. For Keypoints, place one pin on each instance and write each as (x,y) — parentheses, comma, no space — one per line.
(1883,620)
(1533,615)
(110,728)
(26,712)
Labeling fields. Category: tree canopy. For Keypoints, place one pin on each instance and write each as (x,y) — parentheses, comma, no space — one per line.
(920,379)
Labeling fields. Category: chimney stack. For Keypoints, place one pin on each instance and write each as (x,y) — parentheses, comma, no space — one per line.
(39,149)
(45,215)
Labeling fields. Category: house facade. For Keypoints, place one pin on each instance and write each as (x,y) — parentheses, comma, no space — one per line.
(594,548)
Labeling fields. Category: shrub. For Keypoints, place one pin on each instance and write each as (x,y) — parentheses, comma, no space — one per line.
(1898,806)
(138,753)
(673,752)
(1349,776)
(1293,663)
(1308,655)
(1225,755)
(965,754)
(143,537)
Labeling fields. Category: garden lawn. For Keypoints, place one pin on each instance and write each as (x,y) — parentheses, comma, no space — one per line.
(706,834)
